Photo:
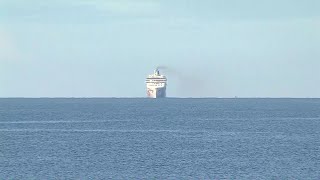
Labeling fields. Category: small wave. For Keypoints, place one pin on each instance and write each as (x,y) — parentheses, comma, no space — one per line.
(57,122)
(87,130)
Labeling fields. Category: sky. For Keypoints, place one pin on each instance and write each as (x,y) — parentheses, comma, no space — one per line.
(211,48)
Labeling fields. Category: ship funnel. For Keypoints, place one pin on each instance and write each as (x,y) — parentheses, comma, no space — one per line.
(156,72)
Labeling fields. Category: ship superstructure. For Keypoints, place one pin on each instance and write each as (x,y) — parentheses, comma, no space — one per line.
(156,85)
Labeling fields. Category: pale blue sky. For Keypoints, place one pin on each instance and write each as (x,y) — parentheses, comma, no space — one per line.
(220,48)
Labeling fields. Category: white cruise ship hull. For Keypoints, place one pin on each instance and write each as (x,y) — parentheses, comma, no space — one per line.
(156,92)
(156,85)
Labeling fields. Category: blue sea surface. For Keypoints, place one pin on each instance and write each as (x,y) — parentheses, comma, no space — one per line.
(171,138)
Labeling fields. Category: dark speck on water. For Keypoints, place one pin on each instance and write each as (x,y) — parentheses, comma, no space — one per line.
(140,138)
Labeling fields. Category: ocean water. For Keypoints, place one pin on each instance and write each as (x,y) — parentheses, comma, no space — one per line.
(159,138)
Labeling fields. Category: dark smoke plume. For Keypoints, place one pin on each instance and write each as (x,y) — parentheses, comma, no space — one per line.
(188,83)
(163,67)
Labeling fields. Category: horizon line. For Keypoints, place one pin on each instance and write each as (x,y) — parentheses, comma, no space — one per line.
(107,97)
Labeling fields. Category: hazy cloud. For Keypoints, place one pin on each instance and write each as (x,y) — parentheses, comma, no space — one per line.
(76,10)
(124,6)
(7,49)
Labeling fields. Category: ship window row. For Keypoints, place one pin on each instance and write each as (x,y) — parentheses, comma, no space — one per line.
(155,81)
(156,85)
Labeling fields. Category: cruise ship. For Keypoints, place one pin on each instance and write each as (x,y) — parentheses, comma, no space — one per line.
(156,85)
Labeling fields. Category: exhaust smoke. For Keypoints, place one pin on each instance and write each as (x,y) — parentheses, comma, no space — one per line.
(188,83)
